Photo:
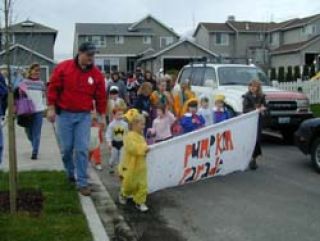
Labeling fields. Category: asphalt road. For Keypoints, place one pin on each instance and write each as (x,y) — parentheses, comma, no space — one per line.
(279,201)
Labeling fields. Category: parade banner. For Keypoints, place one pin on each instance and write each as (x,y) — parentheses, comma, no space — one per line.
(216,150)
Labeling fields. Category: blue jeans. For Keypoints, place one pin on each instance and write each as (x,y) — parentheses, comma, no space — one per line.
(34,132)
(74,136)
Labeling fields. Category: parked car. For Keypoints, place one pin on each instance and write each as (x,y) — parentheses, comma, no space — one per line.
(286,110)
(307,138)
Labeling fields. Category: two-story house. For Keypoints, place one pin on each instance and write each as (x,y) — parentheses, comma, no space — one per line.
(30,42)
(123,46)
(289,43)
(296,42)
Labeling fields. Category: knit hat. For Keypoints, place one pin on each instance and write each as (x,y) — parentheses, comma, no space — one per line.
(192,102)
(114,89)
(219,97)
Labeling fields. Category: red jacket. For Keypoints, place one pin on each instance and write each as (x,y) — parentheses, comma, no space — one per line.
(75,90)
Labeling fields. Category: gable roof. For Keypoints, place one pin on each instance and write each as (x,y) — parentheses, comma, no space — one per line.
(299,22)
(30,26)
(247,26)
(29,50)
(172,46)
(135,25)
(109,29)
(294,47)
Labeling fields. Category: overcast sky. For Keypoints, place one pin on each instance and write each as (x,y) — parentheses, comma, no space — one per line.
(182,15)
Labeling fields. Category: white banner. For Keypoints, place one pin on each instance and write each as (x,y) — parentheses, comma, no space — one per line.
(212,151)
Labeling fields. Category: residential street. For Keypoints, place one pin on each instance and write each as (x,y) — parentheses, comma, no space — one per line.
(280,201)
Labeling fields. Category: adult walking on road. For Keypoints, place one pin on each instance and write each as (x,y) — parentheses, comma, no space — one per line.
(75,86)
(34,88)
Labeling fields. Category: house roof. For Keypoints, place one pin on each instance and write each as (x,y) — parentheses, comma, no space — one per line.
(294,47)
(223,27)
(125,29)
(30,26)
(136,24)
(29,50)
(298,22)
(109,29)
(155,55)
(247,26)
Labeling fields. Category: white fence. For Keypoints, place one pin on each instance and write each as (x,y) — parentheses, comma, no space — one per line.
(310,88)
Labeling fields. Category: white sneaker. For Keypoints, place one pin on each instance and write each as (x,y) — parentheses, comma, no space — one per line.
(122,200)
(142,207)
(99,167)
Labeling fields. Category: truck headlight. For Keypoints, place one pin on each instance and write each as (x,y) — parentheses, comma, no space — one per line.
(303,103)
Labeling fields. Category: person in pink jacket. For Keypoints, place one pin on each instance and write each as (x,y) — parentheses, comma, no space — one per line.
(161,126)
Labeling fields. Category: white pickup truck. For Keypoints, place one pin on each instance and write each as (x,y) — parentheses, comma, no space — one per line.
(286,110)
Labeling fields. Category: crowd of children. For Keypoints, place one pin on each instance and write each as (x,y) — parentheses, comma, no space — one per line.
(146,112)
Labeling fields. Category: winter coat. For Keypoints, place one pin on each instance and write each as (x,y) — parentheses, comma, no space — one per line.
(187,124)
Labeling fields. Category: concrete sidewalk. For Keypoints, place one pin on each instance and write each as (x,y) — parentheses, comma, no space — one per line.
(49,154)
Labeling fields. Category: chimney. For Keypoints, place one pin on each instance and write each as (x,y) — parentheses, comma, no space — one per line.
(231,18)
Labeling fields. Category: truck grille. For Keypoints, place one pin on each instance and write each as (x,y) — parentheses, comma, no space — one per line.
(282,105)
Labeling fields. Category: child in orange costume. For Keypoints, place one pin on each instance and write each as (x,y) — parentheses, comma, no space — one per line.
(96,139)
(133,167)
(181,98)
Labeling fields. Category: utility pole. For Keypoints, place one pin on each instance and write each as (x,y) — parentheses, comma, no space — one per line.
(11,126)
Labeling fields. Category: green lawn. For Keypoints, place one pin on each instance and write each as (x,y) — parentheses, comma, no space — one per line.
(316,110)
(62,218)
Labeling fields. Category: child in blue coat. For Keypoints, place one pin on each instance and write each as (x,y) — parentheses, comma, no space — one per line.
(220,112)
(191,121)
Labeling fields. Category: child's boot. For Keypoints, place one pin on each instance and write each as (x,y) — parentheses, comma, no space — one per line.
(142,207)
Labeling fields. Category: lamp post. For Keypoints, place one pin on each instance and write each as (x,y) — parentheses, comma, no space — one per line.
(11,126)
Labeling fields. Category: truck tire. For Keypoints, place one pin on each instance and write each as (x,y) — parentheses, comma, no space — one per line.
(315,154)
(288,136)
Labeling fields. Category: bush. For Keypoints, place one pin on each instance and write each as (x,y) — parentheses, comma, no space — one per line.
(281,74)
(312,71)
(297,73)
(273,74)
(289,75)
(305,72)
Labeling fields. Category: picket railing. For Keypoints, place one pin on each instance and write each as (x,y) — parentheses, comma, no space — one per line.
(310,88)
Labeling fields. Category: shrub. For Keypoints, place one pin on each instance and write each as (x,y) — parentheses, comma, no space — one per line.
(289,75)
(273,74)
(297,73)
(281,74)
(305,72)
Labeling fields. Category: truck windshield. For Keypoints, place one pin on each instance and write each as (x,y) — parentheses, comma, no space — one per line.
(240,75)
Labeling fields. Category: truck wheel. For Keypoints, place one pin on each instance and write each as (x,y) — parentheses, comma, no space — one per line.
(288,136)
(315,154)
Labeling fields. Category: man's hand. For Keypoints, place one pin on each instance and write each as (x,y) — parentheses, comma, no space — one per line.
(51,114)
(103,121)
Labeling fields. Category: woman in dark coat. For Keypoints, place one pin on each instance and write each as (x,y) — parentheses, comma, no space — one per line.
(253,100)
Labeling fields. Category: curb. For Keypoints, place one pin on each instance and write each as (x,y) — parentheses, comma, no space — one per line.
(95,225)
(112,220)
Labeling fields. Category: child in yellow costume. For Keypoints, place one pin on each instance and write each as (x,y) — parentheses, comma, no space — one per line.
(132,168)
(180,99)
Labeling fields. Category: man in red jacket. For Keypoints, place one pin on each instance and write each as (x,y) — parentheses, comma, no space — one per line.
(76,86)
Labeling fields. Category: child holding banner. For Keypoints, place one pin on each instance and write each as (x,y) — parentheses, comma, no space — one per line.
(253,100)
(191,121)
(133,168)
(220,112)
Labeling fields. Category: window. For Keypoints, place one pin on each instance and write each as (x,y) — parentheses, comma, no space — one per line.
(166,41)
(186,74)
(197,76)
(119,39)
(222,39)
(274,38)
(147,39)
(210,75)
(107,65)
(98,40)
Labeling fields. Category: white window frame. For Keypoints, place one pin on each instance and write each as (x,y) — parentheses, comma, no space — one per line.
(146,39)
(113,61)
(99,41)
(224,39)
(168,41)
(119,39)
(260,37)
